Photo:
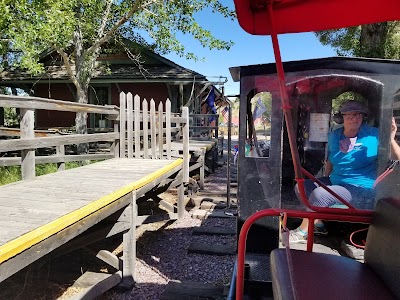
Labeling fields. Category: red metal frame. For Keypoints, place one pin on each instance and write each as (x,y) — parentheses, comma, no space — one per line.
(357,216)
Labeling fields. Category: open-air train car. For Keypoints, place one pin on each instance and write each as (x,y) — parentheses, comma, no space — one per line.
(265,167)
(315,88)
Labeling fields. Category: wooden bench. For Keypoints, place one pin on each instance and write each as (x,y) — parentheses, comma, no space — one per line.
(322,276)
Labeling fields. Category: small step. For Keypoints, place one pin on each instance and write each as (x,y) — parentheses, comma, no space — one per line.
(207,205)
(202,248)
(191,290)
(352,251)
(207,230)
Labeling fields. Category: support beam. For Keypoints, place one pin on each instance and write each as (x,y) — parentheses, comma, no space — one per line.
(129,249)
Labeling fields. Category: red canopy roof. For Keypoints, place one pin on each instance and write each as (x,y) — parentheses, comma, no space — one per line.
(313,15)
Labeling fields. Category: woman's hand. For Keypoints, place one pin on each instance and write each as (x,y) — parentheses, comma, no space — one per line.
(395,148)
(393,130)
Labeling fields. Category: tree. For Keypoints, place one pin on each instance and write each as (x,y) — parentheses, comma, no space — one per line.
(78,29)
(379,40)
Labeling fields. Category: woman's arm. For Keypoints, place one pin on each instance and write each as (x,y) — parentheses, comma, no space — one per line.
(395,148)
(328,168)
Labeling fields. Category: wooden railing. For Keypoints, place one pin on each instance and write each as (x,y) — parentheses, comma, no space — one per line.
(199,125)
(30,139)
(149,131)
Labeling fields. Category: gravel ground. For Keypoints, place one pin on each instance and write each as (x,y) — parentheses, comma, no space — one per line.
(162,256)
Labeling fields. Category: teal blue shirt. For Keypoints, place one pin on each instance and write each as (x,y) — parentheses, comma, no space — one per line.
(358,166)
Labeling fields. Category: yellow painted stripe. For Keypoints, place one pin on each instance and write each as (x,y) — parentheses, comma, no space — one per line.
(37,235)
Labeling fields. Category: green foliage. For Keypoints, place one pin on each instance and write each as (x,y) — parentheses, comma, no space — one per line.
(348,42)
(13,173)
(11,118)
(37,25)
(339,100)
(345,41)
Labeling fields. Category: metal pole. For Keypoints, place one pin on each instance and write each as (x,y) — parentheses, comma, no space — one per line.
(228,175)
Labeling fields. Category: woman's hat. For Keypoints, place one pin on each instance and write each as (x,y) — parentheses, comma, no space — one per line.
(352,105)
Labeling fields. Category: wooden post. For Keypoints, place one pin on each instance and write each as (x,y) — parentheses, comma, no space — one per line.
(27,132)
(181,202)
(122,121)
(153,128)
(145,129)
(129,248)
(60,152)
(160,131)
(202,172)
(129,121)
(1,116)
(116,143)
(168,127)
(185,115)
(137,126)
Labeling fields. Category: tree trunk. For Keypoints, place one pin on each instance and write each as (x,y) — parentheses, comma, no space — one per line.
(373,40)
(84,65)
(81,119)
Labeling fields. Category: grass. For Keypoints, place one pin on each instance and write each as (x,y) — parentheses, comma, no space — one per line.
(13,173)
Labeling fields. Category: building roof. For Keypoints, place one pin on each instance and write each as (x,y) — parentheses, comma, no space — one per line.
(113,72)
(112,68)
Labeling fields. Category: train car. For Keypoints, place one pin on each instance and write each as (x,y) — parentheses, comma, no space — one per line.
(286,113)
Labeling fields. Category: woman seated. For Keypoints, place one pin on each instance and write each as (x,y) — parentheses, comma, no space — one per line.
(351,167)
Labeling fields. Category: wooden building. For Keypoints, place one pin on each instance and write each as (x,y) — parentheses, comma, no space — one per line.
(156,78)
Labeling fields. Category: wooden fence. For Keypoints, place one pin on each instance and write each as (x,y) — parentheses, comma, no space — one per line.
(128,121)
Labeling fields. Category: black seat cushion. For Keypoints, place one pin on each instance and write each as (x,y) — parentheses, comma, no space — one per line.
(324,276)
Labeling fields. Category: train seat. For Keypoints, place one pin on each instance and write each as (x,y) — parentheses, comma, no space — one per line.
(322,276)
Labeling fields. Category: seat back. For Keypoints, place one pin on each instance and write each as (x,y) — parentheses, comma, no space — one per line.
(382,251)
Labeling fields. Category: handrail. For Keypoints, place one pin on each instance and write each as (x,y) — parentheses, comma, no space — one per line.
(58,105)
(195,126)
(31,139)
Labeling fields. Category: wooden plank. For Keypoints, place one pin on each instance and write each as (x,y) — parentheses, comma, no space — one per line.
(160,131)
(153,128)
(28,153)
(211,249)
(129,121)
(168,127)
(137,126)
(18,226)
(20,244)
(58,105)
(145,129)
(179,120)
(122,123)
(192,290)
(31,143)
(27,214)
(13,265)
(15,161)
(5,131)
(100,284)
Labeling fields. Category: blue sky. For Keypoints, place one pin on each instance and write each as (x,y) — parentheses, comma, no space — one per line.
(248,49)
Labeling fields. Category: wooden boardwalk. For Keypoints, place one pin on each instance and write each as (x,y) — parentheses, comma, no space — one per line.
(64,204)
